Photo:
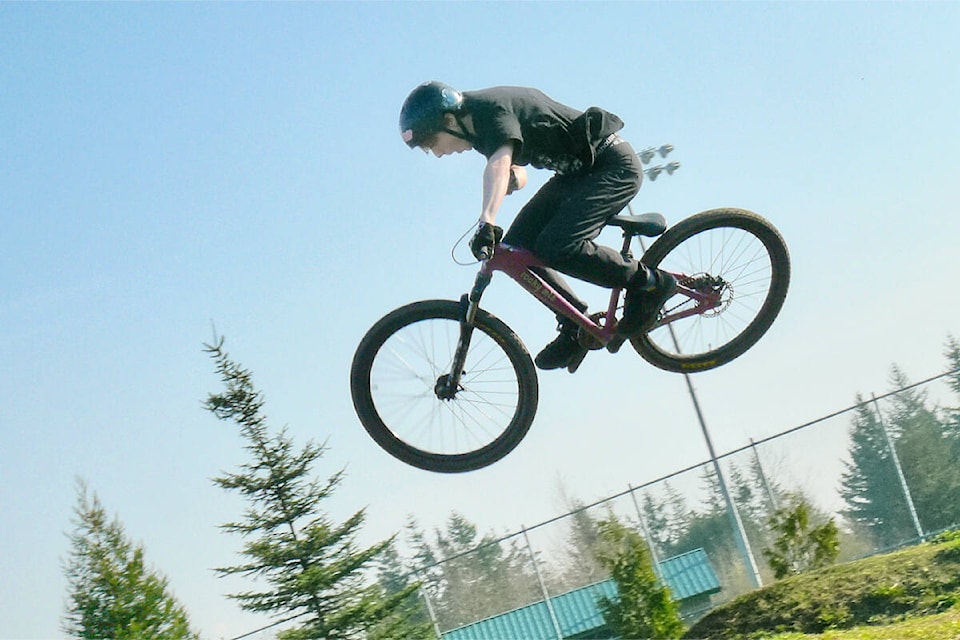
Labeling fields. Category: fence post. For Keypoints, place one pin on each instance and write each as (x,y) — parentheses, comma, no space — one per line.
(543,586)
(654,557)
(900,476)
(431,612)
(763,477)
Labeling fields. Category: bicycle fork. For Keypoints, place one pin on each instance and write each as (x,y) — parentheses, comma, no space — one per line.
(449,384)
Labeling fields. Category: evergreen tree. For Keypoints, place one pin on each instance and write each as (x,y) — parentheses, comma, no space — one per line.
(952,354)
(752,504)
(473,576)
(579,565)
(927,454)
(709,529)
(424,560)
(714,503)
(394,578)
(801,545)
(756,495)
(311,568)
(391,573)
(112,594)
(767,492)
(657,520)
(668,522)
(869,485)
(643,607)
(927,443)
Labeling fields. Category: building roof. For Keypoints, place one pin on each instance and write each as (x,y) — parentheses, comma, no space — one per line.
(687,575)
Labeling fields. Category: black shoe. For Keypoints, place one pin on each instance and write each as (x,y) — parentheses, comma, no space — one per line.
(642,303)
(561,352)
(575,360)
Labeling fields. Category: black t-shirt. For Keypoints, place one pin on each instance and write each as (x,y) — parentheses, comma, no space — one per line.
(546,134)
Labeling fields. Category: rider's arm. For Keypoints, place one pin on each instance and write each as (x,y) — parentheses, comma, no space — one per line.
(496,178)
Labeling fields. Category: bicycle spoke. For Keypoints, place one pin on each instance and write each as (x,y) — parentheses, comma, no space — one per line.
(408,367)
(739,260)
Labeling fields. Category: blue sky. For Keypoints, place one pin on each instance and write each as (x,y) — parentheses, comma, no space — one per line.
(171,168)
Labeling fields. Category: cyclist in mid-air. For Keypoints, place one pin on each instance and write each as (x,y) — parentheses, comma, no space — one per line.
(596,173)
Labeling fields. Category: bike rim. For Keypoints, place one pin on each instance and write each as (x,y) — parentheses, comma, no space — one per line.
(404,375)
(739,260)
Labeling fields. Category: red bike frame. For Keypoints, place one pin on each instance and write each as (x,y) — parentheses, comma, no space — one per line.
(519,263)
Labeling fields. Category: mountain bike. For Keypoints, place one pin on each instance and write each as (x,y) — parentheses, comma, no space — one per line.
(446,386)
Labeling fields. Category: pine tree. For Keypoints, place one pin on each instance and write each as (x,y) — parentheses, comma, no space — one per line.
(643,607)
(311,566)
(869,485)
(710,528)
(927,455)
(394,577)
(476,576)
(112,594)
(579,565)
(927,443)
(424,560)
(952,354)
(668,522)
(801,544)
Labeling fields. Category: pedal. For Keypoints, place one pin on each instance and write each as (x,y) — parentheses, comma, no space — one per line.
(614,345)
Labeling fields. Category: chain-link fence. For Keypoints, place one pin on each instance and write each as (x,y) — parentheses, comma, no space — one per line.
(886,470)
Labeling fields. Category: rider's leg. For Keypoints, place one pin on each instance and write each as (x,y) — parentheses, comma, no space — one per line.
(567,240)
(560,224)
(528,224)
(584,203)
(643,300)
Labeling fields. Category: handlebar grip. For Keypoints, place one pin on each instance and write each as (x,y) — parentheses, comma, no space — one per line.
(485,253)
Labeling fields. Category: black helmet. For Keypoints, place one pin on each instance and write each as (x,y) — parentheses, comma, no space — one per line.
(422,112)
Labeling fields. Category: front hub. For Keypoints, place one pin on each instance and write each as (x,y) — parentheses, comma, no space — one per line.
(445,388)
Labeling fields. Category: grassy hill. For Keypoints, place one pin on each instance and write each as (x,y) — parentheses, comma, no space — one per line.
(911,583)
(941,626)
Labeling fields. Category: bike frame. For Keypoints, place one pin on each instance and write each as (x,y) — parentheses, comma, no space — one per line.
(519,264)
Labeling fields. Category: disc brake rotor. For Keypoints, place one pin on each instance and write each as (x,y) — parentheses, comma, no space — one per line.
(718,290)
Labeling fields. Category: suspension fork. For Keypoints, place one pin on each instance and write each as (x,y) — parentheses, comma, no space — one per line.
(449,383)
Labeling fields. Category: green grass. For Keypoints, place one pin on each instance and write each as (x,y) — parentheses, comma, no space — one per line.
(889,597)
(942,626)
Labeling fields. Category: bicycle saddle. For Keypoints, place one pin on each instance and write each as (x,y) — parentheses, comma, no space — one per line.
(645,224)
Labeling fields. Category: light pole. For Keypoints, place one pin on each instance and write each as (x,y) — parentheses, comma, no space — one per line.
(740,535)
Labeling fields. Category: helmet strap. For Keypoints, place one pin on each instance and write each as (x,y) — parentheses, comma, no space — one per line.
(462,133)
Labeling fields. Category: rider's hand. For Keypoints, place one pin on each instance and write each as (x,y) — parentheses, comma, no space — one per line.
(484,239)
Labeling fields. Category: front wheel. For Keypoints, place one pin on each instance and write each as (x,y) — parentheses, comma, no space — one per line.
(398,381)
(733,271)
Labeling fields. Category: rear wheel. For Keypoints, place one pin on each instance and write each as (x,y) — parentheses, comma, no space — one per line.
(735,270)
(398,383)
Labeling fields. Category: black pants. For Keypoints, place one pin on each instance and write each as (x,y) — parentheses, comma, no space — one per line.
(562,220)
